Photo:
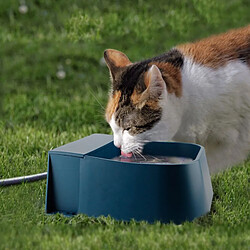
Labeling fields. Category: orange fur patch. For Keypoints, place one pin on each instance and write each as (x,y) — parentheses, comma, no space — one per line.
(153,104)
(217,50)
(172,77)
(112,104)
(135,97)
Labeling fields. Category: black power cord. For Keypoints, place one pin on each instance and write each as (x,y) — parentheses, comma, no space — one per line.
(21,179)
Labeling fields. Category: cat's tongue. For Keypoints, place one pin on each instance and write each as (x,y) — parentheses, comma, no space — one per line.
(128,155)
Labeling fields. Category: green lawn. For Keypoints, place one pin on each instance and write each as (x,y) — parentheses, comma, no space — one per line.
(40,111)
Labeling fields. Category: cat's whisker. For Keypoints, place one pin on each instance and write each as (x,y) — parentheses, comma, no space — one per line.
(155,157)
(134,154)
(97,100)
(145,159)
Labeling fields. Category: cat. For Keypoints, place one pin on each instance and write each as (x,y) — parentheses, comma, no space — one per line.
(196,92)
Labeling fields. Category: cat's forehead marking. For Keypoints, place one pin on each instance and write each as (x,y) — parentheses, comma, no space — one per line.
(218,50)
(112,104)
(135,97)
(131,77)
(139,100)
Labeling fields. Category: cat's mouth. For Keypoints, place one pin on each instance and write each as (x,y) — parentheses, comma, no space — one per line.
(127,155)
(132,149)
(130,152)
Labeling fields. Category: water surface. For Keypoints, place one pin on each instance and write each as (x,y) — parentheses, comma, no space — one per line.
(154,159)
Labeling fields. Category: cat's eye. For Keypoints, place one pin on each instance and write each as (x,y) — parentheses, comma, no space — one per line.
(127,129)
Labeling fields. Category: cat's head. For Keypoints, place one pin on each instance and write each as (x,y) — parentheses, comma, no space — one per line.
(137,110)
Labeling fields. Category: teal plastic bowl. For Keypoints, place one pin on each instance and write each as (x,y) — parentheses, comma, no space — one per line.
(84,178)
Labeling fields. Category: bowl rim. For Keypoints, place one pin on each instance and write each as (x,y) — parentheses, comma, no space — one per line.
(198,155)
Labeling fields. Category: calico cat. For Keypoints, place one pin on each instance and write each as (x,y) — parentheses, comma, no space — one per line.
(196,92)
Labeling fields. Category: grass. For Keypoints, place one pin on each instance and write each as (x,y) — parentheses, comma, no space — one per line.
(41,111)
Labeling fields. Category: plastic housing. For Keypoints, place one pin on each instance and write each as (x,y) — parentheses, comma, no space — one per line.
(83,178)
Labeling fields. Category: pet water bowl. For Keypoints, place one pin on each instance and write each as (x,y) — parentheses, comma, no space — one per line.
(84,178)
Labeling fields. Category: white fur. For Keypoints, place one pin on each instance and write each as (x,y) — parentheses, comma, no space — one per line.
(214,111)
(122,138)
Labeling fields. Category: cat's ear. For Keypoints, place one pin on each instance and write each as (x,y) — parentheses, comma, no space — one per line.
(154,82)
(115,61)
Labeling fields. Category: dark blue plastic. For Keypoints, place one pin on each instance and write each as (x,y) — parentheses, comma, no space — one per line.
(83,178)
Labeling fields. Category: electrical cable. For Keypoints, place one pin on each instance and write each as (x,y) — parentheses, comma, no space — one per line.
(21,179)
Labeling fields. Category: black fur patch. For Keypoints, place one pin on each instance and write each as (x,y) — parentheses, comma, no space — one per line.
(244,55)
(173,56)
(130,78)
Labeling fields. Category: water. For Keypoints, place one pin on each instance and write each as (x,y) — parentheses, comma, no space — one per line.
(154,159)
